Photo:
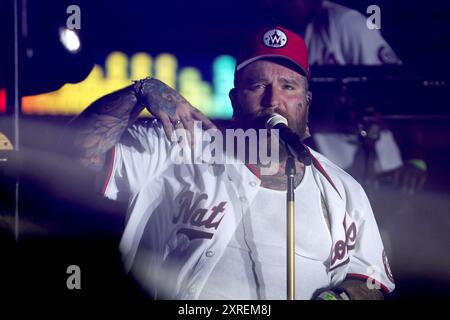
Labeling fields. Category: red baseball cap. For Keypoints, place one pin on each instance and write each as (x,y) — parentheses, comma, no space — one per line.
(277,42)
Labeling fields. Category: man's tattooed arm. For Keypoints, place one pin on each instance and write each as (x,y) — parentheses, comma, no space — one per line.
(101,125)
(359,290)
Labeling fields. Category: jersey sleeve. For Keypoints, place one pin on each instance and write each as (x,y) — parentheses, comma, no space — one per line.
(368,260)
(361,45)
(140,156)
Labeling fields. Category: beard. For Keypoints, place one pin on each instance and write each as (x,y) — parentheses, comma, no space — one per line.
(258,121)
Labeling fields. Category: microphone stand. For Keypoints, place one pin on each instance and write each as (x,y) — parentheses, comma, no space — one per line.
(290,210)
(305,158)
(290,139)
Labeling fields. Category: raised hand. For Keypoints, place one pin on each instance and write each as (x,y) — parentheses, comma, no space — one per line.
(168,106)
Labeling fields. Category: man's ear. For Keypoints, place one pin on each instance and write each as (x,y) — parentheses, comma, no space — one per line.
(308,98)
(308,104)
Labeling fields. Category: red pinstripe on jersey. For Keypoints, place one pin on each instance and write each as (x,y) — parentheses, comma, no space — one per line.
(110,169)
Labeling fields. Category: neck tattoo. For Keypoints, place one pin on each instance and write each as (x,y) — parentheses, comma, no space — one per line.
(278,181)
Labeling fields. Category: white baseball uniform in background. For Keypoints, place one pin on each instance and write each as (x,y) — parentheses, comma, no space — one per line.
(338,35)
(211,231)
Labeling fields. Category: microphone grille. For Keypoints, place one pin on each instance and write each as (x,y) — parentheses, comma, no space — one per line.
(275,119)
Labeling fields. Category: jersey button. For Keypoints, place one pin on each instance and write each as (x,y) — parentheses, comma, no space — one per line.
(209,253)
(253,183)
(243,199)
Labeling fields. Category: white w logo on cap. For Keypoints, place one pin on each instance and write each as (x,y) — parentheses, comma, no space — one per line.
(275,38)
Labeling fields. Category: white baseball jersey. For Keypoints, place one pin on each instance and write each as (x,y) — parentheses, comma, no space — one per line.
(253,265)
(183,219)
(339,35)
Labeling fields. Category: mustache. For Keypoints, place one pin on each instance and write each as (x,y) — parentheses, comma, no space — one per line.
(263,114)
(258,119)
(269,111)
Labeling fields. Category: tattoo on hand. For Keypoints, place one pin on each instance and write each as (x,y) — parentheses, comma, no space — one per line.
(161,97)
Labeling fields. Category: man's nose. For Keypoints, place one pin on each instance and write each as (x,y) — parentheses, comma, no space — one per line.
(272,97)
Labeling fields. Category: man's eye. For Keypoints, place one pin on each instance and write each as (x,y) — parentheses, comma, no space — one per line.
(258,86)
(288,87)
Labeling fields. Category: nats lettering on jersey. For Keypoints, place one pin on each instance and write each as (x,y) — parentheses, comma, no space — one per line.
(194,217)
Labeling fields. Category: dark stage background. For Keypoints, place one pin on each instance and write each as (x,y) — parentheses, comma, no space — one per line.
(62,224)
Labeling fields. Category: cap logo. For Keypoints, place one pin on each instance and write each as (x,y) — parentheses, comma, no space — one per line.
(275,38)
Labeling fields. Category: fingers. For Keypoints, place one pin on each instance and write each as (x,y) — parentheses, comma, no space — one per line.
(417,182)
(177,129)
(187,116)
(167,126)
(396,177)
(188,124)
(409,180)
(386,177)
(405,180)
(206,122)
(413,183)
(412,180)
(182,135)
(181,124)
(422,180)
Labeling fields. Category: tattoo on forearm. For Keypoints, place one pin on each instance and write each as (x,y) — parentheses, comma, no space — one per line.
(102,124)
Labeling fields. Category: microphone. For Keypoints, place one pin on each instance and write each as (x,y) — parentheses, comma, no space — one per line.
(288,137)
